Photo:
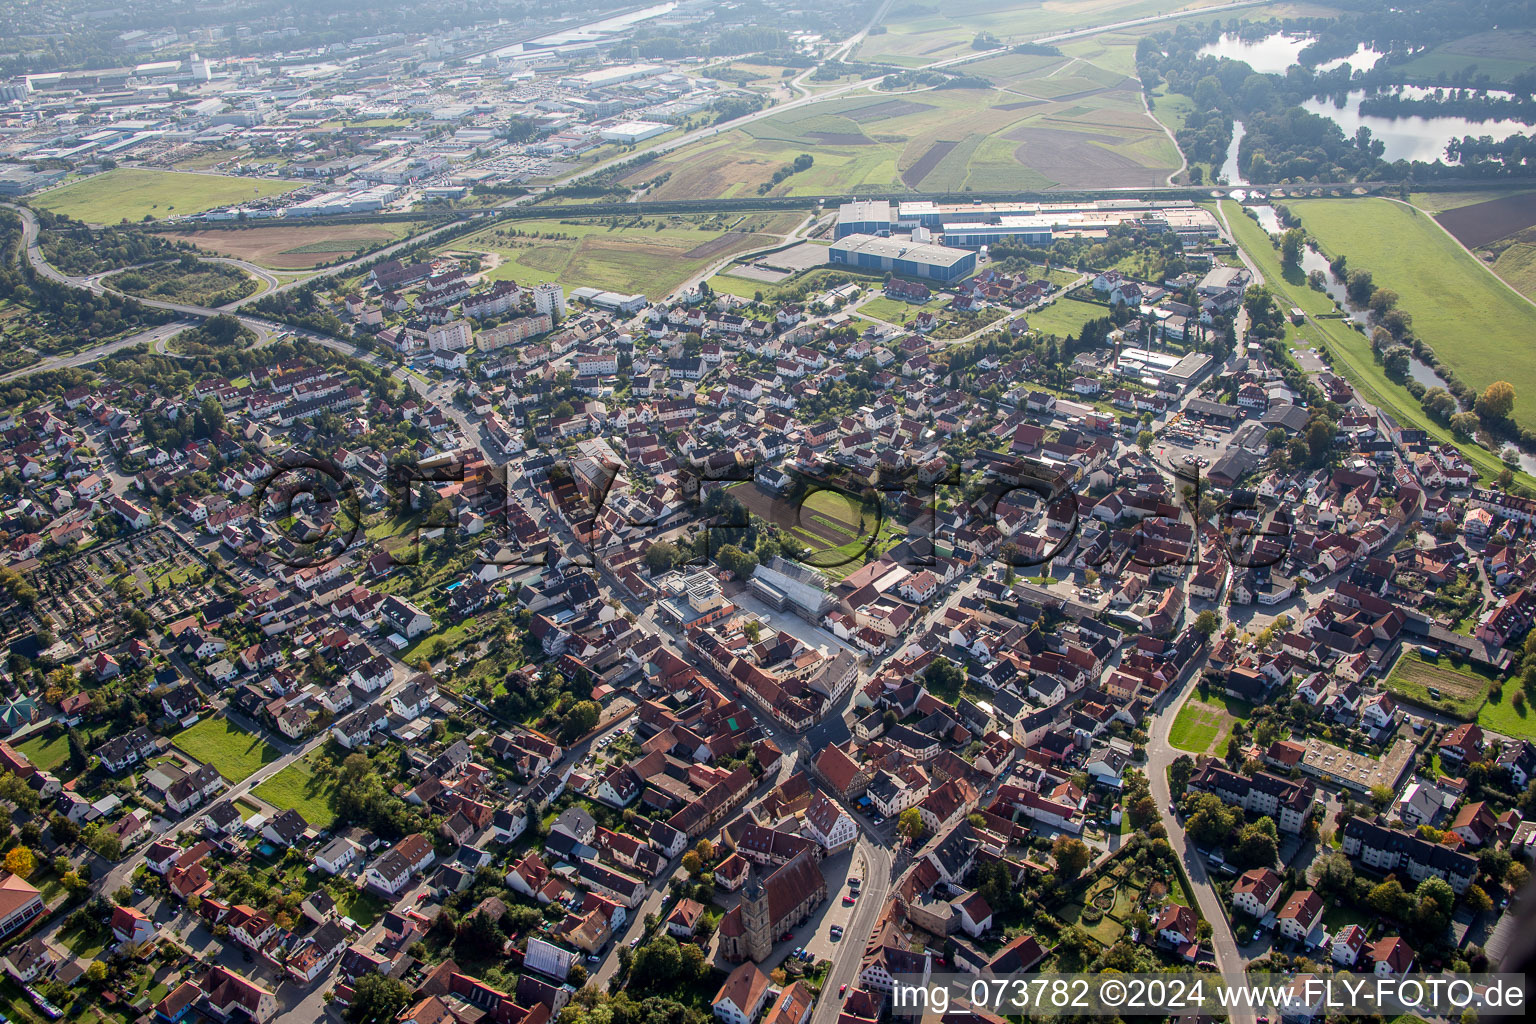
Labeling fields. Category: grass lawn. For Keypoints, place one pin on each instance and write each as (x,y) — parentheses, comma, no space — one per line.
(133,194)
(1499,715)
(48,748)
(892,310)
(1203,725)
(297,787)
(1064,317)
(233,751)
(1462,690)
(82,944)
(359,906)
(1475,323)
(1350,350)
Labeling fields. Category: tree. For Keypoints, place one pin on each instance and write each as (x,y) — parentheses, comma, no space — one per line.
(1071,855)
(1143,813)
(20,861)
(692,862)
(736,561)
(1464,424)
(1332,874)
(1255,847)
(96,973)
(910,824)
(661,556)
(1478,900)
(1389,898)
(1207,623)
(657,962)
(580,719)
(1439,403)
(1381,796)
(944,675)
(1144,439)
(1497,401)
(1180,772)
(1290,246)
(376,999)
(1320,434)
(1434,900)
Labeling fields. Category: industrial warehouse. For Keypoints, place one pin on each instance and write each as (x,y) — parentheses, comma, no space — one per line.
(973,225)
(902,256)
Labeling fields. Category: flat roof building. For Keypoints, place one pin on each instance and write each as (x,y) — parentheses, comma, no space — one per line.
(633,131)
(1357,771)
(866,217)
(902,257)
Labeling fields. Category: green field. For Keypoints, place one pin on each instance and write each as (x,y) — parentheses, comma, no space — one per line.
(1064,317)
(920,33)
(1350,350)
(1450,199)
(233,751)
(131,194)
(1476,324)
(297,787)
(1203,726)
(1044,121)
(1462,690)
(1500,54)
(649,255)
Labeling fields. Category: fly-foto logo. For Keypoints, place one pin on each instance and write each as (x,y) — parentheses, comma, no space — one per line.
(310,511)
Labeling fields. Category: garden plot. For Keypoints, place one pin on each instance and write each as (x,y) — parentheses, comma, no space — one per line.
(87,597)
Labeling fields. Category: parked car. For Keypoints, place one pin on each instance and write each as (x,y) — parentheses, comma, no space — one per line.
(841,989)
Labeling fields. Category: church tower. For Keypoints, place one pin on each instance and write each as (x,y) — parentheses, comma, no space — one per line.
(754,918)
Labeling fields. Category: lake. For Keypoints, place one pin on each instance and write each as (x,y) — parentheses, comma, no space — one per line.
(1268,56)
(1363,59)
(1410,138)
(1405,138)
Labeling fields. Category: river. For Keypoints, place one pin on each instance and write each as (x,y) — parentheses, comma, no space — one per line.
(1313,260)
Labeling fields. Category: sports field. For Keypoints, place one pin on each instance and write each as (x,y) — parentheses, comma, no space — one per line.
(297,248)
(132,194)
(837,535)
(237,754)
(1475,323)
(1044,122)
(652,255)
(1350,350)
